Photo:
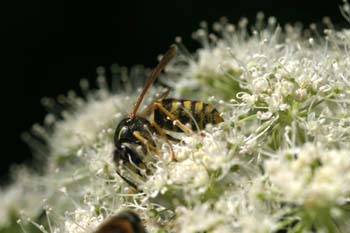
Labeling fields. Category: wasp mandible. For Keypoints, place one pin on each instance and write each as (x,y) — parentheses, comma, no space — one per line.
(169,114)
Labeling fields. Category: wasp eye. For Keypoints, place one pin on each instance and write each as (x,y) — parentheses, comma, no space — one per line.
(123,131)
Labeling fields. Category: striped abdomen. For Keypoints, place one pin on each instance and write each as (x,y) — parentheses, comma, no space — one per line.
(195,113)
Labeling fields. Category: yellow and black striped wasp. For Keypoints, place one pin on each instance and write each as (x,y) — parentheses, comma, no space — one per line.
(124,222)
(169,114)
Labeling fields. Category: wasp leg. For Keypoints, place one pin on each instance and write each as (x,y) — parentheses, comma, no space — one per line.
(149,109)
(163,134)
(145,142)
(127,181)
(172,117)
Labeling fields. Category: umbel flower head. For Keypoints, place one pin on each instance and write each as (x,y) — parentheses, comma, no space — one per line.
(279,162)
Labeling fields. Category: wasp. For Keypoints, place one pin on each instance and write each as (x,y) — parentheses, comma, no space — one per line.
(169,115)
(124,222)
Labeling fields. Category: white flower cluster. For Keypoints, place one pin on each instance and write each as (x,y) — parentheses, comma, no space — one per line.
(279,162)
(312,177)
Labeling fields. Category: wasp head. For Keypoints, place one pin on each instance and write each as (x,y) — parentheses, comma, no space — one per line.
(125,152)
(126,128)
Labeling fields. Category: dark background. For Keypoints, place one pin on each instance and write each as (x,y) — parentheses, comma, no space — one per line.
(48,46)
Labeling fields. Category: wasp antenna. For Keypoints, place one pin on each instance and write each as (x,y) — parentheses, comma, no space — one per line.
(170,54)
